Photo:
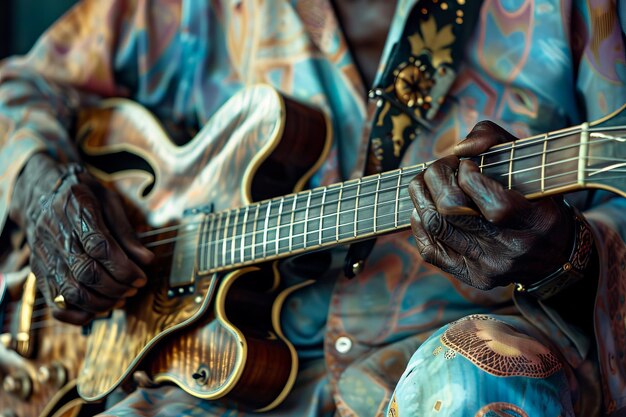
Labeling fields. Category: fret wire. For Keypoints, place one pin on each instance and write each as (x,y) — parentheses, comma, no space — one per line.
(543,163)
(403,175)
(293,213)
(322,213)
(376,193)
(407,198)
(232,243)
(306,215)
(254,223)
(356,207)
(411,208)
(511,164)
(200,245)
(397,197)
(210,259)
(338,211)
(225,237)
(217,235)
(482,163)
(280,212)
(243,233)
(267,214)
(582,151)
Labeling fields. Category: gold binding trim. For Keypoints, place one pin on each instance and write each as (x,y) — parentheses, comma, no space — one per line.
(58,397)
(268,148)
(242,346)
(276,309)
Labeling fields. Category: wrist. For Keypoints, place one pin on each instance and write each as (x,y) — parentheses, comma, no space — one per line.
(573,269)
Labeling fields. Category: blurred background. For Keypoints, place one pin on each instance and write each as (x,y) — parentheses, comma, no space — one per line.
(22,21)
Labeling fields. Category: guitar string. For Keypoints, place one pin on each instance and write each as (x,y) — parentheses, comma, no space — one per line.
(272,242)
(237,212)
(41,324)
(15,304)
(404,172)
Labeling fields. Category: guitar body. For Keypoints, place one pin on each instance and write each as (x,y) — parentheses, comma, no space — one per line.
(258,145)
(39,358)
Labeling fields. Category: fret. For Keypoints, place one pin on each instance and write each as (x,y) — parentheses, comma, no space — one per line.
(356,207)
(395,222)
(511,164)
(314,217)
(376,200)
(254,231)
(543,163)
(234,237)
(299,223)
(291,222)
(210,261)
(338,211)
(387,201)
(218,241)
(583,152)
(203,248)
(280,213)
(265,225)
(243,235)
(284,229)
(348,212)
(306,217)
(225,239)
(482,163)
(321,225)
(366,205)
(328,222)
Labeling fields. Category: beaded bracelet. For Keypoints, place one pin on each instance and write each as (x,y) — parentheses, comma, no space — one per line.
(571,271)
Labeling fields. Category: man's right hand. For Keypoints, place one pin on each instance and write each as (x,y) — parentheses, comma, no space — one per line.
(82,244)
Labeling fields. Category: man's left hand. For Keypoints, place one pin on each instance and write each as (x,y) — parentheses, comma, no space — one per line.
(470,226)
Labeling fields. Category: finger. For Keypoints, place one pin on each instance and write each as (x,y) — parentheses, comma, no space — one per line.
(497,204)
(119,225)
(81,297)
(72,316)
(96,240)
(449,198)
(437,254)
(483,136)
(88,272)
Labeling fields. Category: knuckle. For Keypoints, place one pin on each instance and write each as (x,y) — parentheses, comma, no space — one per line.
(96,245)
(85,270)
(428,253)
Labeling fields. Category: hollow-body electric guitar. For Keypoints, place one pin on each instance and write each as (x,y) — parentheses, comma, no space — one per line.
(39,356)
(212,305)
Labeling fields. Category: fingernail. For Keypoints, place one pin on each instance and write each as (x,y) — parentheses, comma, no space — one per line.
(140,282)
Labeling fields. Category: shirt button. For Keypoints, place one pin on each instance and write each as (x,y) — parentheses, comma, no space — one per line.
(343,344)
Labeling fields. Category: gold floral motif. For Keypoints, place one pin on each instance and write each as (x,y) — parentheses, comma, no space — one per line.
(400,123)
(412,85)
(437,42)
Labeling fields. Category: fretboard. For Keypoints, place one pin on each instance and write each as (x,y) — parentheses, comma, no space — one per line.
(358,209)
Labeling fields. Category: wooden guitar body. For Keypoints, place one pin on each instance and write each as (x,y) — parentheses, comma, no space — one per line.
(257,146)
(39,356)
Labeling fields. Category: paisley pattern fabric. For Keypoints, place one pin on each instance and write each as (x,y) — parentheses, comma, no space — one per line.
(441,378)
(530,65)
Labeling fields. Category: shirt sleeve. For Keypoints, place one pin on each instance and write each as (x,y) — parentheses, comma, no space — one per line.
(98,49)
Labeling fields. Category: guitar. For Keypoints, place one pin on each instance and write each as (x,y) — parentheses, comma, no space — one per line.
(209,320)
(39,356)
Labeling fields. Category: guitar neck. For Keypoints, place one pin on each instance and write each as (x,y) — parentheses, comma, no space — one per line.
(370,206)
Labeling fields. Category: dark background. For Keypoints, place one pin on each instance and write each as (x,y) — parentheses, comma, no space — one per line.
(22,21)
